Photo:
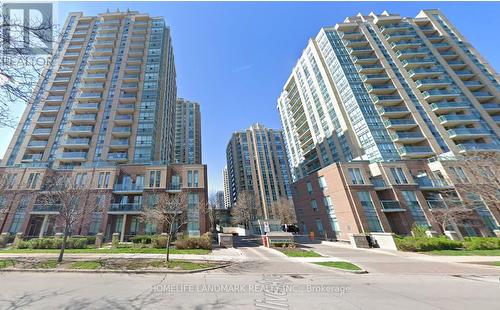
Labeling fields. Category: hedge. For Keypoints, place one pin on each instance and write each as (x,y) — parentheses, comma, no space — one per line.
(203,242)
(53,243)
(481,243)
(424,244)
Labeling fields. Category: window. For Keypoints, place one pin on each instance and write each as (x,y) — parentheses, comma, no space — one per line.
(322,182)
(356,176)
(414,207)
(100,181)
(319,225)
(193,214)
(370,212)
(314,205)
(196,178)
(80,179)
(32,180)
(95,223)
(459,174)
(154,178)
(399,176)
(190,178)
(332,216)
(309,188)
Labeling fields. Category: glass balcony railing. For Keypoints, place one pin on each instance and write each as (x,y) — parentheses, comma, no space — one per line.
(390,122)
(477,146)
(391,205)
(42,131)
(457,132)
(431,183)
(451,117)
(406,135)
(35,143)
(76,155)
(115,156)
(408,150)
(125,207)
(128,187)
(81,128)
(76,142)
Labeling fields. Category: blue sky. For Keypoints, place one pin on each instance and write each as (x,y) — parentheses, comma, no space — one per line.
(234,58)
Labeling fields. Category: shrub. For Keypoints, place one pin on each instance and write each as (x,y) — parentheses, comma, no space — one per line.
(142,239)
(482,243)
(418,230)
(423,244)
(53,243)
(159,242)
(203,242)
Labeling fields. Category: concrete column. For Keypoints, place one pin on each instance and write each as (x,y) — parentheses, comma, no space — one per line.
(44,226)
(124,223)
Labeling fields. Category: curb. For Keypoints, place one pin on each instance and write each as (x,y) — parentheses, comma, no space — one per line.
(362,271)
(145,271)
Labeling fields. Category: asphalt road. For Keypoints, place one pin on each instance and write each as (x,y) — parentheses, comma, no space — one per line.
(266,281)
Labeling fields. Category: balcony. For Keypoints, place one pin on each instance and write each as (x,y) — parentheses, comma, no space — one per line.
(87,107)
(174,188)
(45,209)
(125,208)
(105,36)
(407,137)
(496,118)
(375,78)
(435,38)
(139,29)
(457,64)
(128,188)
(437,94)
(397,45)
(419,73)
(83,118)
(92,86)
(37,144)
(76,143)
(124,119)
(132,69)
(483,96)
(118,156)
(398,36)
(417,62)
(473,85)
(393,111)
(119,144)
(41,132)
(46,120)
(73,156)
(491,107)
(100,59)
(32,157)
(80,131)
(477,147)
(400,124)
(468,133)
(128,97)
(102,51)
(391,206)
(415,151)
(355,42)
(370,59)
(464,74)
(381,89)
(359,50)
(74,47)
(104,43)
(445,107)
(449,55)
(350,34)
(72,55)
(369,68)
(126,108)
(129,86)
(54,99)
(85,97)
(458,119)
(411,53)
(95,77)
(379,184)
(121,131)
(397,27)
(436,204)
(131,77)
(441,46)
(426,84)
(58,89)
(427,183)
(387,100)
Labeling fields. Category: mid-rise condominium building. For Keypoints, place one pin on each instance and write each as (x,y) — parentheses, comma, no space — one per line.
(227,194)
(383,94)
(102,113)
(187,132)
(257,164)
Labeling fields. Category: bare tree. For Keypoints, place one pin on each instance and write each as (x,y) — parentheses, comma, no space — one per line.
(6,197)
(74,204)
(283,210)
(20,68)
(166,212)
(477,186)
(244,210)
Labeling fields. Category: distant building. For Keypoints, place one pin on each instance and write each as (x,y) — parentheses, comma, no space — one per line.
(219,200)
(227,194)
(187,146)
(257,163)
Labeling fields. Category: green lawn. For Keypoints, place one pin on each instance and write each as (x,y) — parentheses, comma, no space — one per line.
(183,265)
(111,251)
(339,265)
(48,264)
(5,263)
(464,252)
(92,264)
(299,253)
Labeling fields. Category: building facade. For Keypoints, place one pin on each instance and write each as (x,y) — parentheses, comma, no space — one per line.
(257,163)
(383,89)
(102,113)
(227,194)
(187,132)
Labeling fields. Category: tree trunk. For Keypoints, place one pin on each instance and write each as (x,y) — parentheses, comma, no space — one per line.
(63,246)
(168,248)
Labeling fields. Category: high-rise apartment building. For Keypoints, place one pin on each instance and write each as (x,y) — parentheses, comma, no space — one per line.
(102,113)
(227,193)
(380,89)
(257,163)
(187,132)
